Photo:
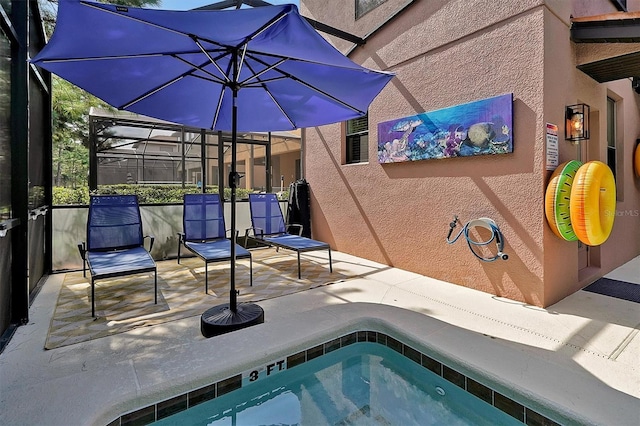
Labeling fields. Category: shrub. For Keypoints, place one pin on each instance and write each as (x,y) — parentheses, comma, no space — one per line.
(63,195)
(147,194)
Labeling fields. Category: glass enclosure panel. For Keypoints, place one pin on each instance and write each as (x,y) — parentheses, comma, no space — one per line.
(285,161)
(132,153)
(163,222)
(160,161)
(37,144)
(6,5)
(7,293)
(251,164)
(5,127)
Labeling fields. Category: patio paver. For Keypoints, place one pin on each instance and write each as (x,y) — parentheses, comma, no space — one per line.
(579,355)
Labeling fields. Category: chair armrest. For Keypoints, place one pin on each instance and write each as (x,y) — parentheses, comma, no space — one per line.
(296,225)
(152,240)
(82,248)
(226,231)
(255,234)
(261,233)
(246,235)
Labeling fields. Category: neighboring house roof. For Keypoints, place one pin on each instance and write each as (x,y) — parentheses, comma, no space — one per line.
(99,112)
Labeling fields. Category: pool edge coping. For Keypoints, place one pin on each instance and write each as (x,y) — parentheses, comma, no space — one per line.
(362,323)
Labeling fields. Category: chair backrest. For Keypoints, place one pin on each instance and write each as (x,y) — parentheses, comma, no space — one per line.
(203,217)
(266,214)
(114,222)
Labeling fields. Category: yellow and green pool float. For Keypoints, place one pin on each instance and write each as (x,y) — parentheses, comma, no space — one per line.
(557,200)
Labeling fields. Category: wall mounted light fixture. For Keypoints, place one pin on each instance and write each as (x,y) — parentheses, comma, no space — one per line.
(577,123)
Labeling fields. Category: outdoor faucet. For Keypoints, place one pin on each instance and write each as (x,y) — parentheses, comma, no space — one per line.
(452,225)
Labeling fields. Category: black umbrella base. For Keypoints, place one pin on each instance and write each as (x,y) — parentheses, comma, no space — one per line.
(220,319)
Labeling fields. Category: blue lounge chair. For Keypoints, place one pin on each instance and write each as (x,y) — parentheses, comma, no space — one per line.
(115,245)
(205,235)
(268,227)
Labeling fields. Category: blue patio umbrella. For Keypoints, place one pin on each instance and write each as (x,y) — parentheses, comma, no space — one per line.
(260,69)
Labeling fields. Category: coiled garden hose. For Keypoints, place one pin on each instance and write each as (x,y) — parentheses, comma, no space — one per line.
(483,222)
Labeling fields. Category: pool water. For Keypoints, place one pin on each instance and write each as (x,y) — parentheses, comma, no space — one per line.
(360,384)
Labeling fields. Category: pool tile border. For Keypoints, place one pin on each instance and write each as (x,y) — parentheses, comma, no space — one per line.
(162,409)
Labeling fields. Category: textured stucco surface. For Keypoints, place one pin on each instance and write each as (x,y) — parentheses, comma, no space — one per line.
(448,53)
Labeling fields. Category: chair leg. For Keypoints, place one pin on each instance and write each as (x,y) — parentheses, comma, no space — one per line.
(155,285)
(298,265)
(250,270)
(179,244)
(93,299)
(330,265)
(206,278)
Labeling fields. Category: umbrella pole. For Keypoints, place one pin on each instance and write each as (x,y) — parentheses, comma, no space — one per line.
(229,317)
(233,183)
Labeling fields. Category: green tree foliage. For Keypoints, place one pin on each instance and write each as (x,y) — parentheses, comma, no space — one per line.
(71,133)
(71,107)
(49,9)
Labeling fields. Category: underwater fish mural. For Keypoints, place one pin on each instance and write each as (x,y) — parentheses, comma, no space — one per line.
(481,127)
(406,125)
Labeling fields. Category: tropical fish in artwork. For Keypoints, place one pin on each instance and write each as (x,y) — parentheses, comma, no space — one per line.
(460,134)
(399,147)
(406,125)
(457,134)
(479,134)
(501,128)
(399,150)
(499,147)
(384,153)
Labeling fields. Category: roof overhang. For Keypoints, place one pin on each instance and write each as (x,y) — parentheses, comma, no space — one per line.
(622,30)
(619,27)
(615,68)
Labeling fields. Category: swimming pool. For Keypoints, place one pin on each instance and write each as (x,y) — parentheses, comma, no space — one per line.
(363,377)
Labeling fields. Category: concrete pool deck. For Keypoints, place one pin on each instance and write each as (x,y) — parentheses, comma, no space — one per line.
(580,356)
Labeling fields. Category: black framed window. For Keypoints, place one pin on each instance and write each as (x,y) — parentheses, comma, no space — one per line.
(611,135)
(365,6)
(357,146)
(621,5)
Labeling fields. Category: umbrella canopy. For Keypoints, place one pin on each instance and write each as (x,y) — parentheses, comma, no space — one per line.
(183,66)
(261,69)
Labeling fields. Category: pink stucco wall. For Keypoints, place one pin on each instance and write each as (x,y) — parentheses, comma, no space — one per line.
(446,53)
(565,85)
